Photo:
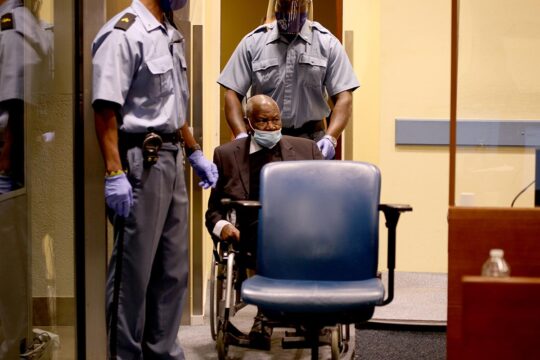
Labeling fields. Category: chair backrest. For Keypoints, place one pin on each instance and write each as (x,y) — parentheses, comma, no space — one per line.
(319,220)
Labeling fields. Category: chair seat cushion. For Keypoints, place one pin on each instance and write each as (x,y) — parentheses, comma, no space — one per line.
(303,296)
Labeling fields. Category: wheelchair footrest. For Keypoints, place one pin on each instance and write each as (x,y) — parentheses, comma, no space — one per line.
(236,337)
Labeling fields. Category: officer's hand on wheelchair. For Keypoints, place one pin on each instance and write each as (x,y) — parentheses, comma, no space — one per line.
(327,148)
(205,170)
(119,194)
(229,233)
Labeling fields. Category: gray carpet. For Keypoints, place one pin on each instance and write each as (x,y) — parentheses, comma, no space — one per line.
(420,299)
(370,344)
(379,344)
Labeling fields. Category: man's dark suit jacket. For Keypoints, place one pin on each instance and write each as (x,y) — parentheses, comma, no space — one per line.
(232,161)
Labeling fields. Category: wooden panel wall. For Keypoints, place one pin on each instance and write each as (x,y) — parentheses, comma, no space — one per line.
(472,233)
(501,318)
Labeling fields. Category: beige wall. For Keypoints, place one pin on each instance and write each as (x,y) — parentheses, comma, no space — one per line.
(401,56)
(207,13)
(363,19)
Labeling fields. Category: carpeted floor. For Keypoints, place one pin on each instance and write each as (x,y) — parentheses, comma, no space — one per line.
(370,344)
(400,344)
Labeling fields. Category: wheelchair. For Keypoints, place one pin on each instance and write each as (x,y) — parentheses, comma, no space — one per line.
(228,271)
(317,257)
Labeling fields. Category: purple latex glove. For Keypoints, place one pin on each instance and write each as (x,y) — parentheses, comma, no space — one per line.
(327,149)
(241,135)
(6,184)
(205,170)
(119,194)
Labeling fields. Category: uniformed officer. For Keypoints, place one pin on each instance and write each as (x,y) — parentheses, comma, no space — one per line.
(298,63)
(140,101)
(24,51)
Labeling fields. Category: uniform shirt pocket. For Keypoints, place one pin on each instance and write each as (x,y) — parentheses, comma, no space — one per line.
(265,75)
(161,82)
(312,70)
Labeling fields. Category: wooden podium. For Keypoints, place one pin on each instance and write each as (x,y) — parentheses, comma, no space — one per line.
(478,307)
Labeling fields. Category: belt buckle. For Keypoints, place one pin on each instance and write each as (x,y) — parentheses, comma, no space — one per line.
(151,145)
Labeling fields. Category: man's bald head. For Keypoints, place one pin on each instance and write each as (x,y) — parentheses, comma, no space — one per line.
(263,113)
(258,102)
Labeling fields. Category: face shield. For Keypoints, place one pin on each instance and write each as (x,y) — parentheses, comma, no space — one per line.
(291,15)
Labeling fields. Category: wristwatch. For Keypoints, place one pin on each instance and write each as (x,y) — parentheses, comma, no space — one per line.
(109,174)
(332,139)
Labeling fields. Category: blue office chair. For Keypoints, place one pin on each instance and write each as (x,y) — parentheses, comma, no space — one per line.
(318,247)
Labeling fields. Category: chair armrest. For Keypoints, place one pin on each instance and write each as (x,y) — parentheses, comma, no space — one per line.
(391,214)
(239,204)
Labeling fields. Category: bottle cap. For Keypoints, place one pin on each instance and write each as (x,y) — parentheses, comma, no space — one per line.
(496,252)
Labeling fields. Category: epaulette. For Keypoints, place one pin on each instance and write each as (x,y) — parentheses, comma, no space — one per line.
(125,22)
(7,22)
(318,26)
(260,28)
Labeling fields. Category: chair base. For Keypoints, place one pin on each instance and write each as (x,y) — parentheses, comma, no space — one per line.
(335,342)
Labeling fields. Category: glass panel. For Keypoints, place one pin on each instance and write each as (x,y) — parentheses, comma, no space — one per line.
(37,300)
(498,102)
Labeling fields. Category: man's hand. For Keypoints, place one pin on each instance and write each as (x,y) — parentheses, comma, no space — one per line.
(230,232)
(119,194)
(205,170)
(327,148)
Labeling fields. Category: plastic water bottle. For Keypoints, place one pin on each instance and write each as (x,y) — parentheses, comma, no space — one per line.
(496,266)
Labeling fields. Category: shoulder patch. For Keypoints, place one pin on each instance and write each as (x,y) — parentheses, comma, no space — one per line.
(125,21)
(7,22)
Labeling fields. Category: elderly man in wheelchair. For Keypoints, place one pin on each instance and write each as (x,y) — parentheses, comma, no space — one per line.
(239,164)
(316,268)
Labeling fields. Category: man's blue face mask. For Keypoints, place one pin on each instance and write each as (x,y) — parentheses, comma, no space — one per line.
(168,5)
(267,139)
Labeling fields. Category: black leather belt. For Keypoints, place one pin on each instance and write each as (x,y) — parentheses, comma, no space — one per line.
(308,128)
(137,139)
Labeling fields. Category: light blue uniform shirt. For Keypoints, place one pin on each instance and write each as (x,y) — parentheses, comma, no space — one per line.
(143,69)
(297,75)
(23,48)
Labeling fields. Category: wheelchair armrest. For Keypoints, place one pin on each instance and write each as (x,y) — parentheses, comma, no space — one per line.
(241,204)
(391,214)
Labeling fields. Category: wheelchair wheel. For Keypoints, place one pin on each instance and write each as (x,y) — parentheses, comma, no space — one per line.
(221,346)
(214,298)
(217,293)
